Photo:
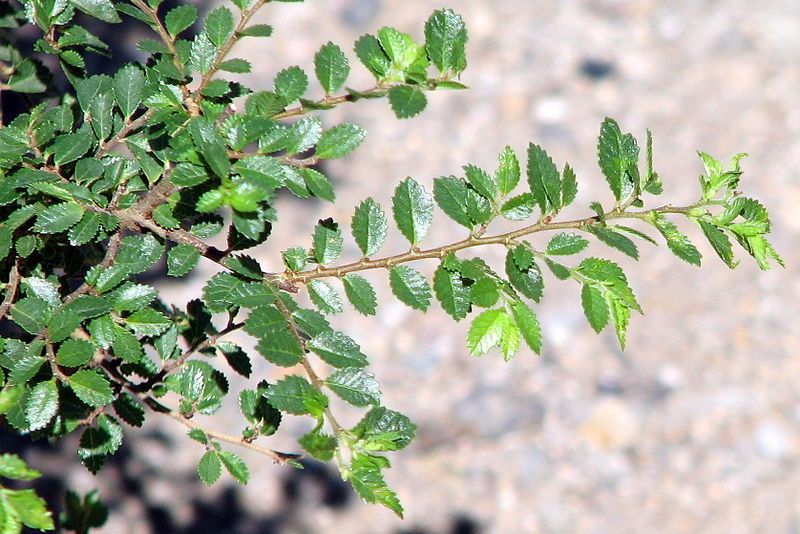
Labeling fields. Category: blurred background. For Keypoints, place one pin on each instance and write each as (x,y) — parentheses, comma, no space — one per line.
(695,428)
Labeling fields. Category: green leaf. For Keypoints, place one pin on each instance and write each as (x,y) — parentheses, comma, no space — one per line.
(366,478)
(355,386)
(282,348)
(219,25)
(209,468)
(129,86)
(508,173)
(340,141)
(257,30)
(291,83)
(519,208)
(528,325)
(74,353)
(99,9)
(544,179)
(566,244)
(129,410)
(91,387)
(181,259)
(235,466)
(236,66)
(618,158)
(318,184)
(125,345)
(382,429)
(450,194)
(720,243)
(484,292)
(615,239)
(569,186)
(327,241)
(319,445)
(445,41)
(611,278)
(15,468)
(371,54)
(137,253)
(451,293)
(41,405)
(488,330)
(529,281)
(678,242)
(295,258)
(58,218)
(206,137)
(337,349)
(85,230)
(31,313)
(70,147)
(410,287)
(369,227)
(331,67)
(296,395)
(594,307)
(324,297)
(360,294)
(225,290)
(407,101)
(148,322)
(29,508)
(180,18)
(412,207)
(481,181)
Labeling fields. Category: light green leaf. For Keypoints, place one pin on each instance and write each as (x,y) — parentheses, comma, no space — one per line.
(487,331)
(99,9)
(720,243)
(569,186)
(677,241)
(29,508)
(528,325)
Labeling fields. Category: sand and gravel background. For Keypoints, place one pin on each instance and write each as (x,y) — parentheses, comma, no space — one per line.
(695,428)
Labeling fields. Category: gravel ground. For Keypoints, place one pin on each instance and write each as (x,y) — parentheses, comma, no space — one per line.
(693,429)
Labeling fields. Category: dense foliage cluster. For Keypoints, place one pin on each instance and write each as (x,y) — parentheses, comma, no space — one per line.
(103,177)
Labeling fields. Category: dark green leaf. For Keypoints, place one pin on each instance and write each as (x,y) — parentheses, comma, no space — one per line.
(412,207)
(410,287)
(209,468)
(354,385)
(340,141)
(451,293)
(296,395)
(181,259)
(327,241)
(450,194)
(360,294)
(331,67)
(445,41)
(407,101)
(324,297)
(91,387)
(369,227)
(566,244)
(337,349)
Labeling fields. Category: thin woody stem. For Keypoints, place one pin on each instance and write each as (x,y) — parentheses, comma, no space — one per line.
(472,241)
